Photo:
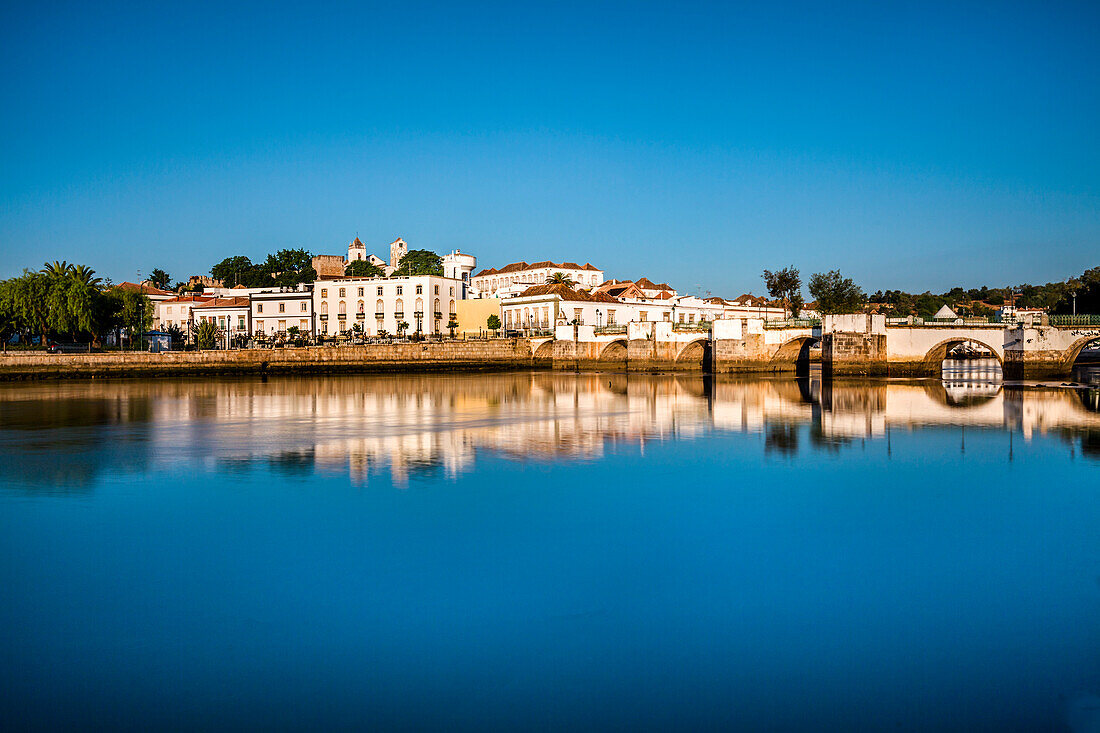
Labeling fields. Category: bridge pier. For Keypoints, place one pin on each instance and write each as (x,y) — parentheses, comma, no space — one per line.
(854,344)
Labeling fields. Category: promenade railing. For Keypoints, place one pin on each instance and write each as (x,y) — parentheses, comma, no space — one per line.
(612,329)
(1083,319)
(793,323)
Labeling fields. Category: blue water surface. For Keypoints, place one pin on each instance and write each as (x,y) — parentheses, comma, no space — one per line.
(549,552)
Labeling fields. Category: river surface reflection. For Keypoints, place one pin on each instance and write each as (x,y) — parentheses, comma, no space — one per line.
(551,550)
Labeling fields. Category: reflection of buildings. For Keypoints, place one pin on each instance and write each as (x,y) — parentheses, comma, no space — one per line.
(415,423)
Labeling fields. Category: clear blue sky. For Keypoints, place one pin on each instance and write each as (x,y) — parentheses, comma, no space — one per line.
(913,145)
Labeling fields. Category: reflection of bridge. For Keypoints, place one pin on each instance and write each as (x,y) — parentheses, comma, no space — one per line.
(850,344)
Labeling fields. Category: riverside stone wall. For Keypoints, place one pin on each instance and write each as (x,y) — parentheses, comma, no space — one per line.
(467,355)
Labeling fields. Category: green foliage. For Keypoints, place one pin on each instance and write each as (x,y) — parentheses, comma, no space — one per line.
(493,322)
(452,324)
(420,262)
(560,278)
(783,284)
(286,268)
(1087,290)
(363,268)
(135,313)
(160,278)
(835,293)
(206,335)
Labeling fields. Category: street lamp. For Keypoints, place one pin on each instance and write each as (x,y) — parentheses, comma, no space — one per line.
(598,318)
(1074,294)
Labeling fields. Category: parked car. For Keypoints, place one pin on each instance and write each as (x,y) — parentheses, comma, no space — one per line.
(54,347)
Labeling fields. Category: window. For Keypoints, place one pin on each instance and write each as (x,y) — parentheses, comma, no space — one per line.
(240,323)
(436,290)
(360,292)
(282,307)
(379,289)
(304,308)
(577,315)
(324,292)
(399,290)
(282,326)
(667,316)
(644,316)
(611,317)
(168,310)
(221,322)
(362,308)
(343,307)
(303,325)
(681,318)
(343,292)
(691,318)
(419,289)
(452,291)
(259,307)
(259,325)
(324,308)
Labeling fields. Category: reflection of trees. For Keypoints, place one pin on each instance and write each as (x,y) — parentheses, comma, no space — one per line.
(782,438)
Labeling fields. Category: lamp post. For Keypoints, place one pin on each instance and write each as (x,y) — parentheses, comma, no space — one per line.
(598,314)
(1074,295)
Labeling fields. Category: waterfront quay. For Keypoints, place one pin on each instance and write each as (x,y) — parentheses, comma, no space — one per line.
(856,344)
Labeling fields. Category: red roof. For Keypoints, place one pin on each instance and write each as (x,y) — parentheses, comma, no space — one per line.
(225,303)
(567,293)
(521,266)
(188,299)
(146,289)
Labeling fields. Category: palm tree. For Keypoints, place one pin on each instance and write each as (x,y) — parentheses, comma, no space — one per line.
(57,268)
(159,277)
(85,275)
(560,278)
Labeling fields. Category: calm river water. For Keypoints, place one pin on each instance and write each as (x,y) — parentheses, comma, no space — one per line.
(550,551)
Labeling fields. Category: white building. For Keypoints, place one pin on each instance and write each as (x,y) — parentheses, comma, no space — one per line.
(545,306)
(425,302)
(513,279)
(275,313)
(231,316)
(176,312)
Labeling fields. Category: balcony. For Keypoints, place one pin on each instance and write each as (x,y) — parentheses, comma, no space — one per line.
(439,315)
(343,316)
(361,316)
(399,314)
(418,314)
(380,316)
(324,316)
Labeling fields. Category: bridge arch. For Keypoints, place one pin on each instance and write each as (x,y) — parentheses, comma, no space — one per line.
(613,351)
(694,355)
(544,352)
(935,356)
(1077,347)
(794,354)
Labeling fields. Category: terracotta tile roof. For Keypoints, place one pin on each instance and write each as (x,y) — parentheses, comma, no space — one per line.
(521,266)
(567,293)
(188,299)
(225,303)
(147,289)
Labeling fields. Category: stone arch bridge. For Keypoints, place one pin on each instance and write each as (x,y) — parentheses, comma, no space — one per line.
(849,344)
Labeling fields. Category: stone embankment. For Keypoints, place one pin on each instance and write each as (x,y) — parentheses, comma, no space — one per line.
(433,356)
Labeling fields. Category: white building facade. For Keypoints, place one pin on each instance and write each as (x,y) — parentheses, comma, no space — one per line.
(275,313)
(424,302)
(513,279)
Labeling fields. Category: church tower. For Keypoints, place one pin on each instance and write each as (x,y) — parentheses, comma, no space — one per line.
(357,251)
(397,251)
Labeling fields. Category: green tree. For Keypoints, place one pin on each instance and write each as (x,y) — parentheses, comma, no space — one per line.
(86,275)
(493,322)
(363,268)
(783,284)
(452,324)
(289,267)
(232,270)
(835,293)
(560,278)
(419,262)
(135,314)
(402,327)
(57,268)
(160,278)
(206,335)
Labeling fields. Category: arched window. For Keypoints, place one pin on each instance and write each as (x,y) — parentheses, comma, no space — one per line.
(361,307)
(400,306)
(452,308)
(419,305)
(324,307)
(378,307)
(437,309)
(343,308)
